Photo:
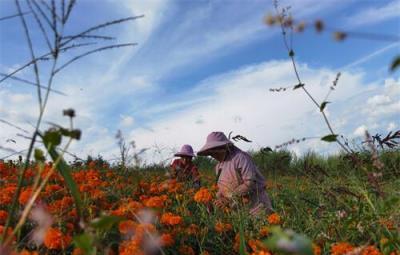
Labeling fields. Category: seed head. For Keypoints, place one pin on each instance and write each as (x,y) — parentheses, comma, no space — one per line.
(270,20)
(300,27)
(69,112)
(319,25)
(339,36)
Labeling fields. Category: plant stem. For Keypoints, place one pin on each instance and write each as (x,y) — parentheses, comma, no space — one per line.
(291,55)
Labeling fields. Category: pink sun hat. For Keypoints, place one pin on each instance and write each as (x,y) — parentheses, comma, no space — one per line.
(186,151)
(214,140)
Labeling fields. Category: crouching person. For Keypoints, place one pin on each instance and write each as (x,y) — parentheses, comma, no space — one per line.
(183,169)
(237,175)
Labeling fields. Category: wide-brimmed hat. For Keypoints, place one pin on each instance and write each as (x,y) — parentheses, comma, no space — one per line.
(186,151)
(214,140)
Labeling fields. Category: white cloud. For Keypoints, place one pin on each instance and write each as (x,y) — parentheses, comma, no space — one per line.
(373,15)
(387,103)
(370,56)
(360,131)
(237,101)
(266,118)
(378,100)
(391,127)
(126,121)
(153,12)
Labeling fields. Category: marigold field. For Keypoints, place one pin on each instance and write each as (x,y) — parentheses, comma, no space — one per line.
(337,205)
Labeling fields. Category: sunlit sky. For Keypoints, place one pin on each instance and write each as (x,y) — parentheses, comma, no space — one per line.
(203,66)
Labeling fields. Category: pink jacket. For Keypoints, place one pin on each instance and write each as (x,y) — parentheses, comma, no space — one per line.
(238,175)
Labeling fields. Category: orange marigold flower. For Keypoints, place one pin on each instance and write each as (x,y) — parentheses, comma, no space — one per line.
(236,244)
(154,188)
(192,229)
(130,247)
(6,194)
(389,224)
(264,231)
(51,188)
(25,252)
(170,219)
(127,227)
(203,196)
(222,227)
(78,251)
(256,245)
(156,202)
(316,249)
(341,248)
(55,239)
(371,250)
(3,216)
(186,250)
(261,253)
(142,230)
(167,240)
(274,219)
(25,196)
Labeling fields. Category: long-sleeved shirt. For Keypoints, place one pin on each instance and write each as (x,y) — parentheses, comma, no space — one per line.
(185,173)
(239,176)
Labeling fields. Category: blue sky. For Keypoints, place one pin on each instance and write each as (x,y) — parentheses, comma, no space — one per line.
(202,66)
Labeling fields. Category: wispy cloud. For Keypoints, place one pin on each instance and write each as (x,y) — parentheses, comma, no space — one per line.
(374,15)
(370,56)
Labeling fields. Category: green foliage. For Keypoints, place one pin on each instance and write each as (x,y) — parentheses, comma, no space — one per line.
(106,222)
(51,139)
(85,242)
(323,105)
(395,64)
(329,138)
(39,155)
(300,85)
(273,162)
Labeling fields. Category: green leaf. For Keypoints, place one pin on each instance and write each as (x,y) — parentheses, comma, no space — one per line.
(64,169)
(300,85)
(52,137)
(329,138)
(323,105)
(242,247)
(84,242)
(74,133)
(395,64)
(105,222)
(39,155)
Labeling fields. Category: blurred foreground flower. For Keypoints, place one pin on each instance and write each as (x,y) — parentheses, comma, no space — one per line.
(288,241)
(44,222)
